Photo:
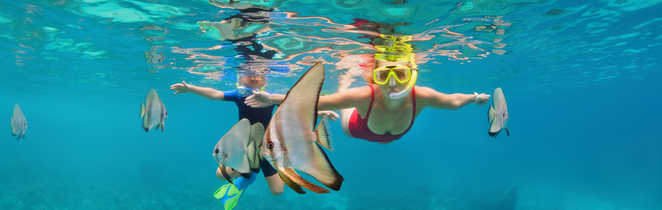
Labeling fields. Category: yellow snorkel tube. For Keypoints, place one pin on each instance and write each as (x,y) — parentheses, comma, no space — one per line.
(398,50)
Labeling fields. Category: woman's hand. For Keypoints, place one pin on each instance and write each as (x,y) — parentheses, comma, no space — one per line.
(481,98)
(258,100)
(180,87)
(328,114)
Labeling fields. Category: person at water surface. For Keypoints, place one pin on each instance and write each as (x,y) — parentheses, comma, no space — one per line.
(385,109)
(247,84)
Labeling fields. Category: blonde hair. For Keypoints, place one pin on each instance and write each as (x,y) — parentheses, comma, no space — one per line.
(396,49)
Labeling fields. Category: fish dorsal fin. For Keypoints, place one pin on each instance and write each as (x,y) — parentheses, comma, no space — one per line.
(296,117)
(490,114)
(142,110)
(254,145)
(17,110)
(323,137)
(312,79)
(252,157)
(257,132)
(499,99)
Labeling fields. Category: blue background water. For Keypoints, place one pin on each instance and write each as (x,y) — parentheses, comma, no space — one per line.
(581,87)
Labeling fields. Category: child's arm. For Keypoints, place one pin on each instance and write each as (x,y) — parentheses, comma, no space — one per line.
(209,93)
(263,99)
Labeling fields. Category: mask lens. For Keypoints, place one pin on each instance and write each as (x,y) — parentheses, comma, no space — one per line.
(401,73)
(381,75)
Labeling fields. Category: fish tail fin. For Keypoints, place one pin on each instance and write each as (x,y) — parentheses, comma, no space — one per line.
(507,131)
(323,137)
(142,110)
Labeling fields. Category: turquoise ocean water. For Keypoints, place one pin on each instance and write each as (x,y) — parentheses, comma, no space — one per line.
(581,79)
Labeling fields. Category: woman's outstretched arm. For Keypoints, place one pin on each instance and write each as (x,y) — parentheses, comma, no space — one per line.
(429,97)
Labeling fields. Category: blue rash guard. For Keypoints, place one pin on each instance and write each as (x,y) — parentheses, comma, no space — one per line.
(254,115)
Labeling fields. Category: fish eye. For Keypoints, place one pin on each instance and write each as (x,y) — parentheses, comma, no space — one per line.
(270,145)
(216,151)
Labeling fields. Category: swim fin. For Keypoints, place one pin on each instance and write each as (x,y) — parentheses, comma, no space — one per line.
(230,193)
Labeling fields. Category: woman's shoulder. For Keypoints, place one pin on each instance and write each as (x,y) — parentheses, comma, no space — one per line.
(357,92)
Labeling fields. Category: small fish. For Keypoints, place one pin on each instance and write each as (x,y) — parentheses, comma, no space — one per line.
(290,143)
(18,123)
(238,149)
(498,113)
(153,112)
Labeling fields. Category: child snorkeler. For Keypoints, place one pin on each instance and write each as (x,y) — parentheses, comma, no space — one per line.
(248,84)
(249,49)
(241,30)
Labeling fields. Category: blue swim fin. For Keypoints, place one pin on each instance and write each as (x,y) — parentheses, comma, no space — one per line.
(229,193)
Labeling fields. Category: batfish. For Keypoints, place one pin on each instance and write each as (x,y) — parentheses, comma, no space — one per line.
(238,149)
(498,113)
(291,144)
(18,123)
(153,112)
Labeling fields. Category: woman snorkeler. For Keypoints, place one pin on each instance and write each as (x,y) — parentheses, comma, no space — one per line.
(385,109)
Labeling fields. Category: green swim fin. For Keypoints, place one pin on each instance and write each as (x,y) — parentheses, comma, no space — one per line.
(229,195)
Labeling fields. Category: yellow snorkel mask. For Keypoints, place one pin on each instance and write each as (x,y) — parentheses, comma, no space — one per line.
(396,51)
(400,73)
(382,75)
